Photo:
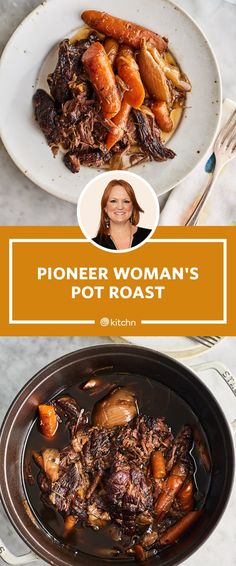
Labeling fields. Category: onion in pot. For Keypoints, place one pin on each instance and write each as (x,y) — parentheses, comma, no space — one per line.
(51,461)
(116,409)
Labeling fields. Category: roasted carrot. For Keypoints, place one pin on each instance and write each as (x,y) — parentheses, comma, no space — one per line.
(162,116)
(140,553)
(158,488)
(158,465)
(69,524)
(185,497)
(128,71)
(120,122)
(171,487)
(37,458)
(100,73)
(111,47)
(176,531)
(48,420)
(125,32)
(166,498)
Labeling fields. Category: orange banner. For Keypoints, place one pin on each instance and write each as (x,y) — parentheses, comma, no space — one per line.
(55,282)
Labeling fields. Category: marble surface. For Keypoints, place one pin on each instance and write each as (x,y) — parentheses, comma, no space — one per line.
(20,358)
(21,202)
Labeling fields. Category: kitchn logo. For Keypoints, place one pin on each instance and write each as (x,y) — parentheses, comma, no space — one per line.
(104,321)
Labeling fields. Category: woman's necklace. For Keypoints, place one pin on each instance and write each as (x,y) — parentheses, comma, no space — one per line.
(130,240)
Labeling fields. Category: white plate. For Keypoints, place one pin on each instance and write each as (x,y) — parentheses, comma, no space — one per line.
(56,19)
(179,347)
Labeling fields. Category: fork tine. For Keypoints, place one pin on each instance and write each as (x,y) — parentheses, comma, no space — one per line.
(226,129)
(201,340)
(212,339)
(208,341)
(230,133)
(232,137)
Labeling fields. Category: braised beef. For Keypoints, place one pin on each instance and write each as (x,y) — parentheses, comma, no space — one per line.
(72,161)
(76,417)
(106,475)
(68,68)
(47,117)
(71,118)
(94,158)
(149,137)
(129,493)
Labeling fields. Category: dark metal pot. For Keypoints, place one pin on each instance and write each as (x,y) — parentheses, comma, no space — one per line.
(71,369)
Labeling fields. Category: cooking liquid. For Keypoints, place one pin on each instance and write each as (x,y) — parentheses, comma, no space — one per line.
(153,399)
(118,161)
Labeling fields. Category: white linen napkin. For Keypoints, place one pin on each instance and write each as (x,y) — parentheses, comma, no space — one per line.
(220,208)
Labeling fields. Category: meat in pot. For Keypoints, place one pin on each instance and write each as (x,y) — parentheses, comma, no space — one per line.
(135,478)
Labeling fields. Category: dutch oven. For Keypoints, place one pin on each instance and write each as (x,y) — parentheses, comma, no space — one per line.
(71,369)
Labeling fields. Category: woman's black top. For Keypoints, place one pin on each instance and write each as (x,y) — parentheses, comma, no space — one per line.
(106,241)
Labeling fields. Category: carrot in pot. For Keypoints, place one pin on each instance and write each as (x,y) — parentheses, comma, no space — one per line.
(179,469)
(158,465)
(176,531)
(185,497)
(70,522)
(38,458)
(162,116)
(122,30)
(171,487)
(111,47)
(100,73)
(140,553)
(47,420)
(128,71)
(120,123)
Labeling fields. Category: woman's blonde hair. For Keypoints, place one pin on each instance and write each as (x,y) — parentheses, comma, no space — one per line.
(103,228)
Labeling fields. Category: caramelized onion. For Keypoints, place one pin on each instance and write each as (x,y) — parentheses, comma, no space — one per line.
(147,110)
(172,72)
(149,539)
(154,70)
(116,409)
(153,75)
(97,518)
(51,461)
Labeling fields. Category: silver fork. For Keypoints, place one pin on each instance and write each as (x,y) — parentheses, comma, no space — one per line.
(208,341)
(224,149)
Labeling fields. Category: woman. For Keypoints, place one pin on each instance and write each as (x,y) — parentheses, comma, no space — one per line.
(120,214)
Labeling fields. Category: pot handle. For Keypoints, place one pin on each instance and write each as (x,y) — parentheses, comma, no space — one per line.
(10,558)
(224,373)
